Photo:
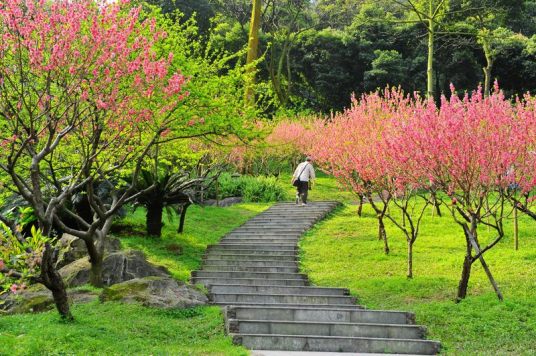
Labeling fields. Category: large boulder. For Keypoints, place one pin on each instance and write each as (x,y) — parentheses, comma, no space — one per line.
(72,248)
(159,292)
(117,267)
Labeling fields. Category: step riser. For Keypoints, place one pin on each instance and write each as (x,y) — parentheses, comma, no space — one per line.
(250,281)
(293,305)
(305,329)
(257,224)
(278,290)
(287,240)
(286,299)
(276,228)
(261,240)
(268,234)
(255,275)
(281,343)
(212,262)
(214,251)
(322,315)
(270,247)
(246,258)
(251,269)
(261,254)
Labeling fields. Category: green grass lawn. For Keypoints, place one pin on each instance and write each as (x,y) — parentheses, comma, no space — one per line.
(343,251)
(118,329)
(122,329)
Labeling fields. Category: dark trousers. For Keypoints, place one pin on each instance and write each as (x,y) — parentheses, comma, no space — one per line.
(303,190)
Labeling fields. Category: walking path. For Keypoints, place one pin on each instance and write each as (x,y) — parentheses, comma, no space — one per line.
(253,274)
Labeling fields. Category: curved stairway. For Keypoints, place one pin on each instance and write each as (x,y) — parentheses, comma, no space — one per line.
(253,274)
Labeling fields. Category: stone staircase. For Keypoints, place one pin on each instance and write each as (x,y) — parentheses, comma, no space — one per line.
(269,305)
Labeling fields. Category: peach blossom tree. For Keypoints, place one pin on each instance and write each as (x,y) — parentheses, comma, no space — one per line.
(84,95)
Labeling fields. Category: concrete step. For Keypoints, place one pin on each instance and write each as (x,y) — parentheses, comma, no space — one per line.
(336,344)
(255,275)
(261,228)
(282,223)
(260,240)
(207,281)
(246,257)
(245,268)
(320,314)
(230,298)
(254,251)
(249,263)
(262,254)
(262,219)
(271,233)
(251,246)
(308,217)
(221,288)
(270,239)
(290,305)
(305,328)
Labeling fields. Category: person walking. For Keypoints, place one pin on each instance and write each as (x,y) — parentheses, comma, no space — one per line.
(303,175)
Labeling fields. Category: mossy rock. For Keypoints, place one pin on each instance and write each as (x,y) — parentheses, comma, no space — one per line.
(158,292)
(117,267)
(38,299)
(31,303)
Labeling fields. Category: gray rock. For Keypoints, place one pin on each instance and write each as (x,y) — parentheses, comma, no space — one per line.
(72,248)
(224,202)
(159,292)
(117,267)
(38,299)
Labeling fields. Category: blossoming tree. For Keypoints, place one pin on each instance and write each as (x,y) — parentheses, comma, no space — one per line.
(83,95)
(475,149)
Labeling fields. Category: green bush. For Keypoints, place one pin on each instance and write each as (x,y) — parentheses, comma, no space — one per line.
(251,189)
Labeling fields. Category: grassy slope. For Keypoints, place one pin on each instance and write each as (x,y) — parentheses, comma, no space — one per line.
(343,251)
(204,226)
(114,328)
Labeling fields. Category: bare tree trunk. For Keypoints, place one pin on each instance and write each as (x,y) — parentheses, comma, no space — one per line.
(436,204)
(476,247)
(180,230)
(96,257)
(360,206)
(410,259)
(253,49)
(430,92)
(486,46)
(464,280)
(154,218)
(380,214)
(516,230)
(382,234)
(53,281)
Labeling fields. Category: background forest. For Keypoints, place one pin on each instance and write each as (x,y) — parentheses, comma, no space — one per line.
(317,53)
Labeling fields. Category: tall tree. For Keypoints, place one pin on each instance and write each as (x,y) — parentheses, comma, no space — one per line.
(253,50)
(84,94)
(429,13)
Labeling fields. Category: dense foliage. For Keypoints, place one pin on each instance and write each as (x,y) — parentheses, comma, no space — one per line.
(317,53)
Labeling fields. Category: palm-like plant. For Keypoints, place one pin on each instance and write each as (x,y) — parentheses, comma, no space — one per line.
(172,191)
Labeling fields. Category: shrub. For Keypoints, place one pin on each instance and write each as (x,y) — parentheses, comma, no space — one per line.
(251,189)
